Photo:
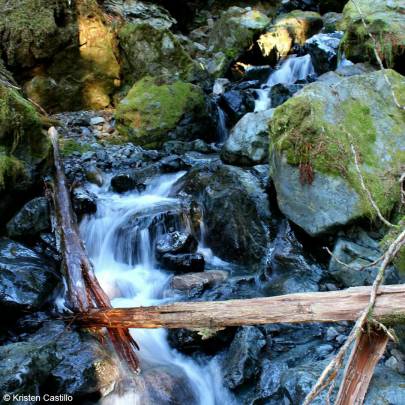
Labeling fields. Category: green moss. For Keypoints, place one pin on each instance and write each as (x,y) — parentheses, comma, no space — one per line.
(70,146)
(152,108)
(315,128)
(10,169)
(385,23)
(399,260)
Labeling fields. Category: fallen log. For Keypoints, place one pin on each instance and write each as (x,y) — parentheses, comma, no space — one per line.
(334,306)
(84,290)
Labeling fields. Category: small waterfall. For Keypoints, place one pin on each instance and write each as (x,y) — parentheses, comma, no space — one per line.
(222,129)
(290,71)
(121,239)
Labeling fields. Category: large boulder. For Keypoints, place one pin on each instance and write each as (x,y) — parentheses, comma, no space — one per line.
(84,75)
(34,30)
(147,50)
(153,108)
(57,360)
(386,22)
(32,219)
(248,141)
(23,148)
(26,278)
(235,32)
(312,164)
(236,211)
(288,30)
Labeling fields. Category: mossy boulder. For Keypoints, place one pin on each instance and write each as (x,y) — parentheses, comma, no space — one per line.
(153,111)
(286,31)
(33,30)
(236,30)
(80,77)
(23,147)
(312,164)
(386,22)
(147,50)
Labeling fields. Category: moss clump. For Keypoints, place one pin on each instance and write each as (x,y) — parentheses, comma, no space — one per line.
(387,25)
(399,260)
(316,128)
(33,30)
(10,169)
(70,146)
(152,108)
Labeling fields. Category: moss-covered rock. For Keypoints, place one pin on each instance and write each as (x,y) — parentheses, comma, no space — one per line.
(80,77)
(23,146)
(312,163)
(33,30)
(288,29)
(153,108)
(150,51)
(386,22)
(236,30)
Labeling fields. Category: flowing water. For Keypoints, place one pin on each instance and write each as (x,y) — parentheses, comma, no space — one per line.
(120,239)
(290,71)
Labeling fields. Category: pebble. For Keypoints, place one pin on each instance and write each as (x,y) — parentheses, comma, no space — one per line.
(97,120)
(331,334)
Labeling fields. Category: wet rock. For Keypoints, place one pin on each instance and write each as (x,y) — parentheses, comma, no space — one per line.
(94,175)
(385,20)
(183,262)
(331,22)
(31,220)
(160,384)
(323,49)
(248,141)
(57,360)
(209,341)
(84,201)
(287,31)
(236,104)
(173,164)
(315,193)
(280,93)
(289,270)
(153,108)
(133,179)
(240,362)
(236,213)
(220,86)
(193,284)
(176,242)
(358,253)
(26,278)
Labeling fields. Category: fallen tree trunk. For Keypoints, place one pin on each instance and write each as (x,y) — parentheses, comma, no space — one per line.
(333,306)
(84,290)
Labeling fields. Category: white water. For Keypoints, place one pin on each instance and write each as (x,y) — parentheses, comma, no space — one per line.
(126,268)
(289,72)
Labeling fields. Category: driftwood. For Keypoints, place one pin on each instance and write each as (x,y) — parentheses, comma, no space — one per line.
(84,290)
(333,306)
(367,351)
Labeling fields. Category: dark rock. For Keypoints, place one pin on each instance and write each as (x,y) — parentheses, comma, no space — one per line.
(84,201)
(134,179)
(176,242)
(279,93)
(173,163)
(260,73)
(206,341)
(240,362)
(57,360)
(235,105)
(26,278)
(323,49)
(193,284)
(236,211)
(32,219)
(358,251)
(184,262)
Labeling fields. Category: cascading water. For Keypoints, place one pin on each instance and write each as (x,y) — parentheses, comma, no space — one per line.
(120,239)
(290,71)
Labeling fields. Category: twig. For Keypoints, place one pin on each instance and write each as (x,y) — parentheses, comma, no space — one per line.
(331,370)
(377,56)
